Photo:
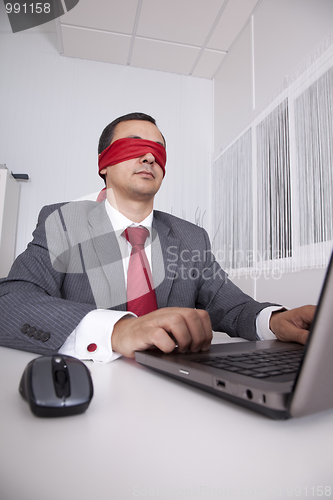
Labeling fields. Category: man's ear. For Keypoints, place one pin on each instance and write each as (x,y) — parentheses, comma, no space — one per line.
(103,172)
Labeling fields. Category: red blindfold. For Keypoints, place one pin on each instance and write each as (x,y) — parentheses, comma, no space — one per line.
(129,148)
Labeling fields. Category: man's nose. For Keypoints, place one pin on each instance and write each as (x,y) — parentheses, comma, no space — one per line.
(147,158)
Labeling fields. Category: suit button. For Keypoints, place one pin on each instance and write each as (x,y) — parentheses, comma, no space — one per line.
(45,336)
(38,334)
(31,331)
(25,328)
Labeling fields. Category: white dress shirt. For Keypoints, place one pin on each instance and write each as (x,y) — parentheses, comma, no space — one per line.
(91,339)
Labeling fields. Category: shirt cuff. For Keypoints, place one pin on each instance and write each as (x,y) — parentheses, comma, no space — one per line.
(91,339)
(262,322)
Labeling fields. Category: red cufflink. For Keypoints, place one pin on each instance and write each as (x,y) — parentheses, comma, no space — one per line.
(92,347)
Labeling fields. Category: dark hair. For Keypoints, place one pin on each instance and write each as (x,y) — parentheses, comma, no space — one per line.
(108,132)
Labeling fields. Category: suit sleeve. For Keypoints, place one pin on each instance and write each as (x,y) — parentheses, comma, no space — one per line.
(230,310)
(35,314)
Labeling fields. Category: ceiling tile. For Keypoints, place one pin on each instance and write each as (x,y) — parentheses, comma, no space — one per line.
(151,54)
(109,15)
(169,35)
(208,64)
(233,19)
(95,45)
(179,21)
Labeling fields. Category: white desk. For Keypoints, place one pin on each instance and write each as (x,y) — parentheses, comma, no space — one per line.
(148,436)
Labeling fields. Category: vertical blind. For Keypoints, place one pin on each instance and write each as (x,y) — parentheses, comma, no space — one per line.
(314,126)
(273,187)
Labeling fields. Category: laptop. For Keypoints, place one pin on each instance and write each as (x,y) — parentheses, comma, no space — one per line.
(278,379)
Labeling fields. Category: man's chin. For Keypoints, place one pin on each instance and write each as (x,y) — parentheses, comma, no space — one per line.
(143,194)
(144,190)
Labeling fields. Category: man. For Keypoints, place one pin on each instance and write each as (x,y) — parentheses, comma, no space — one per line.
(76,289)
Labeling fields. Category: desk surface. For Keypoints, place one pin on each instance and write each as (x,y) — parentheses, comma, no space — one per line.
(148,436)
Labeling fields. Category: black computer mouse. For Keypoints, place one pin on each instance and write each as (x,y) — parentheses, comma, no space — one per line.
(56,386)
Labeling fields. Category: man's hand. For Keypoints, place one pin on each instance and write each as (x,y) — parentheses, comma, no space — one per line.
(293,325)
(165,328)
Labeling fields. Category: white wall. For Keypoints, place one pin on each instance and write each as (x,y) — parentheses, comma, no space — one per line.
(53,110)
(290,289)
(273,46)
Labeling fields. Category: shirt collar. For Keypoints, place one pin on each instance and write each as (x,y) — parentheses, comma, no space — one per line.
(120,222)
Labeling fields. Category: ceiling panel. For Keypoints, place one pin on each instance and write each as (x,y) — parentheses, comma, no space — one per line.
(208,64)
(233,20)
(109,15)
(187,22)
(161,56)
(94,45)
(189,37)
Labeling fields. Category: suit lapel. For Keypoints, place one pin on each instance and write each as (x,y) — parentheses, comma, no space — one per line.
(164,265)
(107,278)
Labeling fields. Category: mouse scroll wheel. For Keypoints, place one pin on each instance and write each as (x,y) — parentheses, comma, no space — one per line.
(61,377)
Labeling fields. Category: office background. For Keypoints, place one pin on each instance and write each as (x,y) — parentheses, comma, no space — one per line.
(53,109)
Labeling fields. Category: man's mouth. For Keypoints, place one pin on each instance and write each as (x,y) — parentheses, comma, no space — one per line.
(146,173)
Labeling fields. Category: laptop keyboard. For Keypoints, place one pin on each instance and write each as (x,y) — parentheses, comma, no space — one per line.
(257,364)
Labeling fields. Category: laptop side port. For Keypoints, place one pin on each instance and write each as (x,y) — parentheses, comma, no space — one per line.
(249,394)
(220,383)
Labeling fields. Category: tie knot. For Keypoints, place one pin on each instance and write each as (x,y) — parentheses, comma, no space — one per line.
(136,235)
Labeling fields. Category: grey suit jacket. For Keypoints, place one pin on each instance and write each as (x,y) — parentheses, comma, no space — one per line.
(73,265)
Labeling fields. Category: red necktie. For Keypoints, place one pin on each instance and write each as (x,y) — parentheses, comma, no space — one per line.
(141,298)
